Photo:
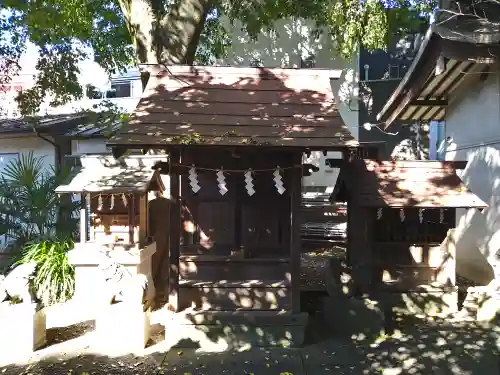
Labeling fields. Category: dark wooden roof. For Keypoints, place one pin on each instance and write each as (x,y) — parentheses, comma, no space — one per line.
(405,184)
(237,106)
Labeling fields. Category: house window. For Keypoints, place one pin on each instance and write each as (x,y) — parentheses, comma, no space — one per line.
(93,92)
(119,90)
(308,63)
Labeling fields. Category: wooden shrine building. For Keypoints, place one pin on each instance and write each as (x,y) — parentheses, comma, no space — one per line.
(116,198)
(235,139)
(399,214)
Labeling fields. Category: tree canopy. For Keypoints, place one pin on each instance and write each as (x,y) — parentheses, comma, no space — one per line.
(121,33)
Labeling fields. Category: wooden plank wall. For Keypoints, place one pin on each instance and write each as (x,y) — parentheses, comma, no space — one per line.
(208,276)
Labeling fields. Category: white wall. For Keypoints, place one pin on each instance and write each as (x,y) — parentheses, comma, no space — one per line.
(473,123)
(25,144)
(284,48)
(136,87)
(89,146)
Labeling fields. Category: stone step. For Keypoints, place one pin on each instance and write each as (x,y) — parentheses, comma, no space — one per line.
(236,328)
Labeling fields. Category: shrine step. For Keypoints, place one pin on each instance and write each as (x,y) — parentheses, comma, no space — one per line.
(242,328)
(235,294)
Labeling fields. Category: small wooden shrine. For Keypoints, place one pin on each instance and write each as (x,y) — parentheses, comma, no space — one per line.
(399,214)
(235,138)
(114,216)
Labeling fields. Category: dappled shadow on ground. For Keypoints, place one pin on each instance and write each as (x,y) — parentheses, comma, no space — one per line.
(418,347)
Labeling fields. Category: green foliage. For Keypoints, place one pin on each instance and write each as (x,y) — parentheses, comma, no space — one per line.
(214,42)
(54,280)
(106,115)
(351,23)
(32,215)
(29,207)
(67,31)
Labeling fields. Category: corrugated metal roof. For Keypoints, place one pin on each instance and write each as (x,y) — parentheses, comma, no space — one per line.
(406,184)
(92,130)
(423,94)
(46,124)
(71,125)
(433,97)
(109,175)
(237,106)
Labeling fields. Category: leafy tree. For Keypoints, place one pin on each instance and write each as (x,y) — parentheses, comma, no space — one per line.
(122,32)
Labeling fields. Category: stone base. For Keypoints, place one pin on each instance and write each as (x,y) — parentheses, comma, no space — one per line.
(345,316)
(24,326)
(123,327)
(242,328)
(482,303)
(489,310)
(89,283)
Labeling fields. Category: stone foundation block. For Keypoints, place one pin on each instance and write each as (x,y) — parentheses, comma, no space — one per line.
(22,327)
(486,303)
(349,316)
(123,327)
(240,329)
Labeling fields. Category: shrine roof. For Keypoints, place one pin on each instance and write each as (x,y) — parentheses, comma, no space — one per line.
(228,106)
(425,184)
(105,174)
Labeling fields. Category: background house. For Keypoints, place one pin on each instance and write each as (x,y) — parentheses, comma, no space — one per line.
(65,121)
(456,80)
(380,73)
(52,139)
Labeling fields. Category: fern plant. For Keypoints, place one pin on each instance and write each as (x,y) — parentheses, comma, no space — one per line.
(54,279)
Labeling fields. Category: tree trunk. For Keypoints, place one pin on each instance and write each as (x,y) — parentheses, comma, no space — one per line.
(165,36)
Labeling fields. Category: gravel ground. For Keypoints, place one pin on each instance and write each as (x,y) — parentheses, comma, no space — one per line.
(421,348)
(313,264)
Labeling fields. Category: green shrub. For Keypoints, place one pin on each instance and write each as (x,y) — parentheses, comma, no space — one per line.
(29,207)
(54,281)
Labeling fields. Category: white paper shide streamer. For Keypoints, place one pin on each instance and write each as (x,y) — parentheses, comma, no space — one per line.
(221,179)
(124,200)
(402,215)
(249,182)
(379,214)
(278,181)
(193,180)
(420,216)
(441,216)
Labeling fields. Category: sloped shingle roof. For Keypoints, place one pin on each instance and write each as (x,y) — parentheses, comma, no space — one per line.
(109,175)
(237,106)
(406,184)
